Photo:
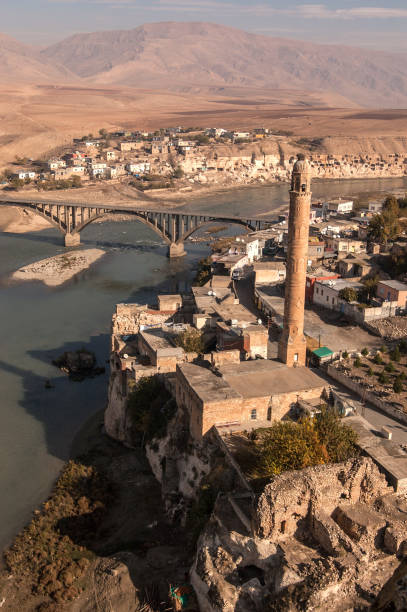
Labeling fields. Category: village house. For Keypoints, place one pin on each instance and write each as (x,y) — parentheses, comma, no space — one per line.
(392,291)
(269,272)
(361,266)
(326,292)
(316,276)
(338,206)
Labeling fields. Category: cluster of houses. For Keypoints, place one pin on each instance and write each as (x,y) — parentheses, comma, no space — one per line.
(199,155)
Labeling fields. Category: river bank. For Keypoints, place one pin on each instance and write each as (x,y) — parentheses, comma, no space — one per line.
(55,271)
(102,554)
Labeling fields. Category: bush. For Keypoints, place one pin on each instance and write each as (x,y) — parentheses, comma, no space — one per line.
(395,355)
(345,354)
(398,385)
(203,273)
(150,408)
(178,173)
(370,372)
(378,359)
(383,349)
(348,294)
(390,367)
(403,346)
(294,446)
(365,352)
(191,340)
(383,378)
(357,363)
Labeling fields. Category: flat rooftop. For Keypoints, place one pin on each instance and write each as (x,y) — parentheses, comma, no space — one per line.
(207,386)
(159,342)
(260,378)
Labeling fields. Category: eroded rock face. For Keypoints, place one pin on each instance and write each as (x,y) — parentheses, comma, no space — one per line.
(321,540)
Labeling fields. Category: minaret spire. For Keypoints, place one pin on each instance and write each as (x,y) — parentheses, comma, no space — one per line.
(292,346)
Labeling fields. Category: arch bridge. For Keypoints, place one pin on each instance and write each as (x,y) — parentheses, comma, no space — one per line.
(173,227)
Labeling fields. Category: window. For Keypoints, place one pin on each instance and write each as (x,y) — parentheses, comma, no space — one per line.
(327,298)
(253,414)
(296,357)
(317,290)
(322,292)
(333,300)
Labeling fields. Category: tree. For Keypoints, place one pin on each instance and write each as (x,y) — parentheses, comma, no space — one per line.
(390,367)
(348,294)
(378,359)
(370,286)
(149,408)
(103,133)
(370,372)
(191,340)
(398,385)
(385,226)
(178,173)
(383,378)
(294,446)
(391,205)
(357,363)
(365,352)
(345,354)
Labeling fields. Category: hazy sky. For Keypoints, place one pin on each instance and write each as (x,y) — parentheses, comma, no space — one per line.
(377,24)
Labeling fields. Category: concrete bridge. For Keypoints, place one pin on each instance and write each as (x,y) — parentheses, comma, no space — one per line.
(70,218)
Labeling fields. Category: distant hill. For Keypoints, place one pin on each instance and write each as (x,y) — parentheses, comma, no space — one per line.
(24,64)
(182,56)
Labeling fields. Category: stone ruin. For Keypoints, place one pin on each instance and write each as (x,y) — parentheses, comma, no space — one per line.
(323,538)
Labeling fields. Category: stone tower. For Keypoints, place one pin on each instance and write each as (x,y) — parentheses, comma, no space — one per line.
(292,347)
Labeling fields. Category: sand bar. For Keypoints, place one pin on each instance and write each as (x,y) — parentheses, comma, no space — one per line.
(55,271)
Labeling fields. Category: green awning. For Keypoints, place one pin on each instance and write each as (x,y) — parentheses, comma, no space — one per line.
(322,352)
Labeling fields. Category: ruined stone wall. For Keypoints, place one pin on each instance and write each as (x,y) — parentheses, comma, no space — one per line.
(288,500)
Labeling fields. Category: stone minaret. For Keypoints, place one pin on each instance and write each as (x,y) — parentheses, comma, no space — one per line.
(292,345)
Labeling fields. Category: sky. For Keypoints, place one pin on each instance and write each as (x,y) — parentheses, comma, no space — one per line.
(375,24)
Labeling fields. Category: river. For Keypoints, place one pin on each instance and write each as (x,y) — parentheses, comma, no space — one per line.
(38,425)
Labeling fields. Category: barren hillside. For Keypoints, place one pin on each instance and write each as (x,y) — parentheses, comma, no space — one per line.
(24,64)
(202,56)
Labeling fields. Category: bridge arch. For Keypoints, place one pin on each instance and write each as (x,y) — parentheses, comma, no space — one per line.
(192,230)
(139,217)
(51,218)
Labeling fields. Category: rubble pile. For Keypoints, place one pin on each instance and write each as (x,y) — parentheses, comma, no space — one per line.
(392,328)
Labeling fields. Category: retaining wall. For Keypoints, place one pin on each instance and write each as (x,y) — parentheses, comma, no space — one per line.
(385,407)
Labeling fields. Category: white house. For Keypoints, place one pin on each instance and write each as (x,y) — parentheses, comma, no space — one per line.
(326,292)
(138,168)
(24,175)
(338,206)
(246,245)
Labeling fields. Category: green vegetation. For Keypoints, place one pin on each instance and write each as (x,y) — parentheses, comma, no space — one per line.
(191,340)
(293,446)
(149,407)
(370,372)
(348,294)
(383,378)
(345,354)
(385,226)
(365,352)
(390,367)
(378,359)
(53,553)
(395,355)
(398,385)
(203,273)
(357,363)
(178,173)
(200,139)
(72,183)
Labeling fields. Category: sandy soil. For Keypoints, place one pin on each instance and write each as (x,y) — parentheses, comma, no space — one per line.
(57,270)
(38,119)
(19,220)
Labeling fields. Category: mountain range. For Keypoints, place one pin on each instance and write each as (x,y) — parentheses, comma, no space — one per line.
(200,57)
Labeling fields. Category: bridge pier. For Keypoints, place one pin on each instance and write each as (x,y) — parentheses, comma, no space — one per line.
(176,249)
(72,239)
